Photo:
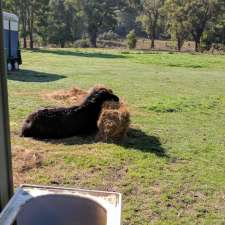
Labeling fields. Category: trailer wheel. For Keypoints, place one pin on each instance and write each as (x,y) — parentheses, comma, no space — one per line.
(9,66)
(16,65)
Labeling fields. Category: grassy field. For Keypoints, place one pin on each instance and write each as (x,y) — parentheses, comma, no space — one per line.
(171,168)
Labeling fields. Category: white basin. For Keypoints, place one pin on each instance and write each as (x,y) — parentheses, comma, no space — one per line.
(39,205)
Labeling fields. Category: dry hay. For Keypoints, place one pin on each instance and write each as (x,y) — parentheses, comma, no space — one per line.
(113,122)
(72,97)
(67,98)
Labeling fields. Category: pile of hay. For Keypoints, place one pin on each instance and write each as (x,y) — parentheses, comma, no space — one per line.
(67,98)
(113,122)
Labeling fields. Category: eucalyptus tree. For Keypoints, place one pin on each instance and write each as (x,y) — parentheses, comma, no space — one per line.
(177,20)
(99,15)
(199,15)
(151,11)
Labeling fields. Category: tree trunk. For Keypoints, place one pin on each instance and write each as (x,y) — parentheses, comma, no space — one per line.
(153,30)
(24,29)
(197,38)
(93,33)
(179,44)
(31,40)
(93,40)
(152,37)
(24,41)
(31,32)
(62,44)
(30,22)
(197,44)
(152,42)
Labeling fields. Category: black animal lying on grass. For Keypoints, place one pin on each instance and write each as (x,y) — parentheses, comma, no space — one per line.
(56,123)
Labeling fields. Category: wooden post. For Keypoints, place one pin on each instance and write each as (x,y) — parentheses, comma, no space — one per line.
(6,180)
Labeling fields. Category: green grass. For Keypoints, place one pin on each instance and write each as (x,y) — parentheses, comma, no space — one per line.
(171,169)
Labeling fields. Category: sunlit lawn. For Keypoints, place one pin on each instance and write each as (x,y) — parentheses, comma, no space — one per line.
(171,168)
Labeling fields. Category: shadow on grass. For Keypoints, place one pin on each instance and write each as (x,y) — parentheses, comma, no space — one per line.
(139,140)
(81,54)
(136,139)
(34,76)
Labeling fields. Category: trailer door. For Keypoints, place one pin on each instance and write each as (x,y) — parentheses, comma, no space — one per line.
(13,38)
(6,36)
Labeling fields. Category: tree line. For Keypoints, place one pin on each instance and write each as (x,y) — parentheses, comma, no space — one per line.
(66,21)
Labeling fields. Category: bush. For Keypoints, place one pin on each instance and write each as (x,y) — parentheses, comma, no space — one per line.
(110,44)
(131,40)
(109,36)
(218,48)
(82,43)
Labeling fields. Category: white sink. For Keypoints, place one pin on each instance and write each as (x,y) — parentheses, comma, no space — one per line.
(39,205)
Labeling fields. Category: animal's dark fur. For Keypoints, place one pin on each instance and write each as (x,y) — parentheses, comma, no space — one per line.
(59,123)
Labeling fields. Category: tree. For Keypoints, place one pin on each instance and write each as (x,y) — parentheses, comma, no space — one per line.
(41,21)
(22,12)
(199,14)
(29,12)
(150,14)
(215,31)
(35,11)
(126,21)
(177,20)
(131,40)
(99,15)
(65,21)
(57,23)
(7,5)
(62,20)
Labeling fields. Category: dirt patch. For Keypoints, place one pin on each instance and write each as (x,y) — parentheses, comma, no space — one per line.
(67,98)
(145,44)
(25,160)
(115,177)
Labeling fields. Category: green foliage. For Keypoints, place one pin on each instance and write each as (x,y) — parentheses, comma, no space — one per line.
(195,17)
(61,22)
(177,20)
(215,33)
(8,5)
(33,18)
(99,15)
(127,21)
(200,13)
(42,21)
(131,40)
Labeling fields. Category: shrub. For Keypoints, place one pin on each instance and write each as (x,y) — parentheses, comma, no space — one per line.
(131,40)
(110,44)
(109,36)
(218,47)
(82,43)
